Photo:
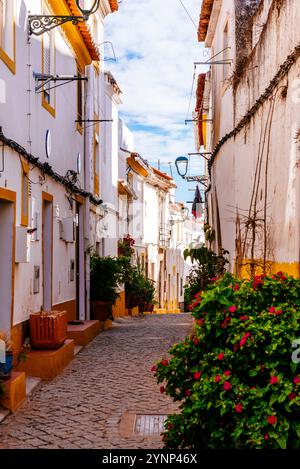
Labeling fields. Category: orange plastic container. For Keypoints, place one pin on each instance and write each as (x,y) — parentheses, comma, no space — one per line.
(48,330)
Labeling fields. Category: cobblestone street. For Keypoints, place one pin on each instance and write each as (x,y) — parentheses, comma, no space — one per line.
(92,404)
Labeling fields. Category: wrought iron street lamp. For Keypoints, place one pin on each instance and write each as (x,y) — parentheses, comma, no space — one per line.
(40,24)
(181,164)
(184,214)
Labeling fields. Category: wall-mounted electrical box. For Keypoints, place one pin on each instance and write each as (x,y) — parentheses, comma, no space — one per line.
(22,245)
(36,279)
(67,230)
(72,270)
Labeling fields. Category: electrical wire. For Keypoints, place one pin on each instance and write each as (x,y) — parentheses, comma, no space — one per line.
(191,95)
(189,15)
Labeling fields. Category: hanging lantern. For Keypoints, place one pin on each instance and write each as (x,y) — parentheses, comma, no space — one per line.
(90,11)
(181,164)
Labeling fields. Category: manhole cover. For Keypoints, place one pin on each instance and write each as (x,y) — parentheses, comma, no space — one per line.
(149,425)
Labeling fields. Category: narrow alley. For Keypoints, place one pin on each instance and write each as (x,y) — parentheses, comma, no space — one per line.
(93,403)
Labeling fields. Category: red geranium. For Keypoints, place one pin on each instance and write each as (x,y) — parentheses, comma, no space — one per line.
(227,386)
(153,368)
(218,378)
(232,309)
(164,362)
(272,420)
(239,408)
(197,375)
(162,389)
(274,380)
(221,356)
(297,380)
(244,339)
(292,396)
(227,373)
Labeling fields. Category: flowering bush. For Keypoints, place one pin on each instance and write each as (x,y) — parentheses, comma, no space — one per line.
(234,376)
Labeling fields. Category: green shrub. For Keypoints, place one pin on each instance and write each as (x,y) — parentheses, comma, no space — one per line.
(106,274)
(208,266)
(235,377)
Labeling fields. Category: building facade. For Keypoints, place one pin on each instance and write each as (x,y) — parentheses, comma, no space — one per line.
(252,98)
(49,195)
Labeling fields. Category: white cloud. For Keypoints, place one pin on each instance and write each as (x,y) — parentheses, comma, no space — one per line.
(156,45)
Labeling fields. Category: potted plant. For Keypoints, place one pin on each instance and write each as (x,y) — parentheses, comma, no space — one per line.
(48,329)
(105,277)
(125,247)
(140,290)
(5,368)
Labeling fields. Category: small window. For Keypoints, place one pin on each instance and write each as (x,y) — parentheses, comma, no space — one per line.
(48,68)
(8,34)
(25,194)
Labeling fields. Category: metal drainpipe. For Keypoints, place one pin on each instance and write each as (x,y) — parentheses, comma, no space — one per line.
(87,180)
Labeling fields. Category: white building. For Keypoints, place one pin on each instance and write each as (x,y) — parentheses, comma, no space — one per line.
(49,160)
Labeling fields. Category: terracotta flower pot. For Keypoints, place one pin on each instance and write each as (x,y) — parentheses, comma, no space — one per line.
(48,330)
(101,310)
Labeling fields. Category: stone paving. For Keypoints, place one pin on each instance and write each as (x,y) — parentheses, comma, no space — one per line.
(88,405)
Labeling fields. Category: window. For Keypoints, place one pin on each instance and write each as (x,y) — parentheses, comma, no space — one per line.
(80,100)
(25,194)
(48,68)
(8,34)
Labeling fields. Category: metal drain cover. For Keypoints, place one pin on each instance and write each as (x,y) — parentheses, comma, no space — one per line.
(149,425)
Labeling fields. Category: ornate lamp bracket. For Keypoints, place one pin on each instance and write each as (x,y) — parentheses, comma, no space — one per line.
(40,24)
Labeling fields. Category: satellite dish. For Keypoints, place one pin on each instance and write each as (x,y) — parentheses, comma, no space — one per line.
(79,163)
(48,143)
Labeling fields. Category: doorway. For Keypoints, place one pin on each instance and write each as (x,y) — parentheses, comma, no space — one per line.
(47,251)
(80,263)
(7,248)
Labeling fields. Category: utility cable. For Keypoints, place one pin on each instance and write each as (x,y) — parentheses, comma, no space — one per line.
(189,15)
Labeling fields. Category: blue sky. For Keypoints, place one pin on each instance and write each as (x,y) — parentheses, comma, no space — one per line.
(156,45)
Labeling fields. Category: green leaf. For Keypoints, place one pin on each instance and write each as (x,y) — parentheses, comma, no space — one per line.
(282,441)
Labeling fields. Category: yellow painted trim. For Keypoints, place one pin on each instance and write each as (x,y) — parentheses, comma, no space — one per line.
(45,104)
(79,127)
(24,214)
(9,62)
(290,268)
(11,196)
(137,167)
(60,7)
(204,129)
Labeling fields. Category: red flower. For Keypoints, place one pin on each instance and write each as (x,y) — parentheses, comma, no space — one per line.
(221,356)
(187,392)
(236,347)
(227,373)
(164,362)
(244,339)
(274,380)
(218,378)
(272,420)
(236,287)
(226,321)
(292,396)
(239,408)
(162,389)
(278,312)
(297,380)
(200,322)
(170,426)
(232,309)
(197,375)
(272,310)
(196,341)
(266,437)
(227,386)
(244,318)
(153,368)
